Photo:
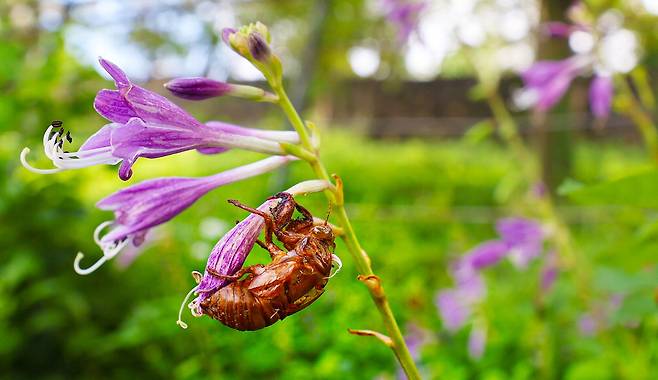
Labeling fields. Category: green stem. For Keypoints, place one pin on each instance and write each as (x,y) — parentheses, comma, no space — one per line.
(631,107)
(361,259)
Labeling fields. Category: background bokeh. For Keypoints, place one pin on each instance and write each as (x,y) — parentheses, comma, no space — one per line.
(426,179)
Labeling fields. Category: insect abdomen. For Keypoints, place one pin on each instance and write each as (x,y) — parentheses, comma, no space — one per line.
(235,306)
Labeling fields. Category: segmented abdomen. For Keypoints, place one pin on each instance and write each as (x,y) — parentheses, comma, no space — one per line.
(235,306)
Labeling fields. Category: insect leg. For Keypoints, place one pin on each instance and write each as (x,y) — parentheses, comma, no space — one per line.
(269,223)
(271,248)
(232,277)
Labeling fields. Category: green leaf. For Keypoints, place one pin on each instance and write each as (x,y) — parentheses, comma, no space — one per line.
(639,190)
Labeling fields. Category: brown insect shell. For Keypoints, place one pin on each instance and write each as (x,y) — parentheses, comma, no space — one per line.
(291,282)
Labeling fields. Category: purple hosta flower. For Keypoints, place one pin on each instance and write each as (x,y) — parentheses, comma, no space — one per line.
(153,202)
(482,256)
(404,15)
(588,324)
(205,88)
(477,341)
(456,305)
(523,237)
(601,47)
(230,252)
(416,338)
(601,91)
(143,124)
(547,81)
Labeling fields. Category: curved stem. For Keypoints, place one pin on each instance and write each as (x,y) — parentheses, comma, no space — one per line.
(361,259)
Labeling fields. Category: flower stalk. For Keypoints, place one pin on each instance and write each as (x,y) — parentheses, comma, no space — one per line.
(361,258)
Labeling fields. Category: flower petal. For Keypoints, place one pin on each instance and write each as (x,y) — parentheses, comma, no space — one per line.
(111,105)
(100,139)
(600,96)
(120,77)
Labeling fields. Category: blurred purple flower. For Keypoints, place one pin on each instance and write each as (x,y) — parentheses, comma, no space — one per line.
(454,312)
(144,124)
(484,255)
(416,338)
(588,325)
(404,15)
(601,91)
(477,341)
(523,237)
(559,29)
(153,202)
(592,41)
(547,81)
(456,305)
(549,271)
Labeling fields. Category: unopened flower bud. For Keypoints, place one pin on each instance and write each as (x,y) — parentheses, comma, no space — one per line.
(197,88)
(226,35)
(204,88)
(258,47)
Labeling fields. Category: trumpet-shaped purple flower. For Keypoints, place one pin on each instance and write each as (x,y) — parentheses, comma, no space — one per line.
(143,124)
(456,305)
(404,15)
(477,341)
(601,91)
(601,47)
(153,202)
(546,82)
(523,237)
(520,240)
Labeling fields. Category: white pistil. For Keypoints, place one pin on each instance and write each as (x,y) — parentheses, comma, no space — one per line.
(337,260)
(109,251)
(180,322)
(97,231)
(31,168)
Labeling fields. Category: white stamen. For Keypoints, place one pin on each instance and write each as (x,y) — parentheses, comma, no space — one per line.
(109,251)
(337,260)
(198,276)
(69,160)
(91,269)
(180,322)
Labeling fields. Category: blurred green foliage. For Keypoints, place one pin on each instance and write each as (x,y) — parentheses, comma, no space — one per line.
(416,205)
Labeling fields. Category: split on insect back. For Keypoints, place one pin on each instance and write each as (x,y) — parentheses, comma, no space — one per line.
(257,296)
